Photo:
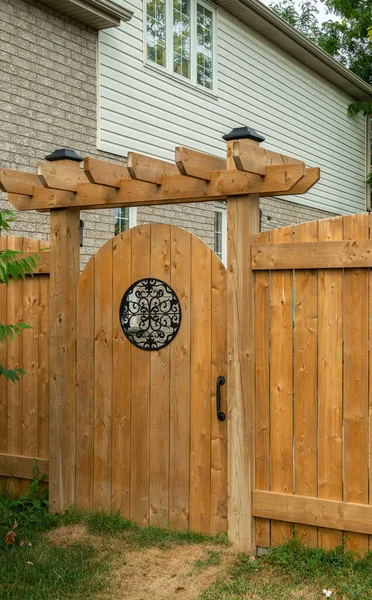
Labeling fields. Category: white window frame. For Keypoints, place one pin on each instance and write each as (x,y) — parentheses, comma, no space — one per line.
(222,208)
(168,69)
(132,217)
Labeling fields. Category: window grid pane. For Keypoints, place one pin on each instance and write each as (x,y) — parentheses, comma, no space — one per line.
(218,233)
(156,31)
(121,220)
(182,38)
(204,36)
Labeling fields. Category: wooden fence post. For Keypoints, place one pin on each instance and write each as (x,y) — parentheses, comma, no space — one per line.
(64,274)
(243,222)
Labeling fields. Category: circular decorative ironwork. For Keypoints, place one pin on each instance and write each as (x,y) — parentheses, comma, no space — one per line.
(150,314)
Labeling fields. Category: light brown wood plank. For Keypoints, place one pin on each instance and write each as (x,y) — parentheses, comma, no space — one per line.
(43,363)
(330,386)
(101,172)
(30,360)
(281,406)
(201,393)
(179,429)
(121,378)
(3,361)
(159,391)
(140,394)
(18,183)
(351,516)
(85,378)
(356,381)
(103,378)
(218,509)
(197,164)
(21,467)
(313,255)
(43,262)
(262,290)
(14,316)
(370,382)
(59,177)
(305,380)
(278,179)
(147,168)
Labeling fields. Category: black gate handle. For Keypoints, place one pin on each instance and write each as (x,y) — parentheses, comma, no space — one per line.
(220,381)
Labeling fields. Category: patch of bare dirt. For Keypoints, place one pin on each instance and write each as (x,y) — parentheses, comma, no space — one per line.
(68,535)
(167,574)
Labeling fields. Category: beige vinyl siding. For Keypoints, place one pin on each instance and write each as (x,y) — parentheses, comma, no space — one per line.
(301,114)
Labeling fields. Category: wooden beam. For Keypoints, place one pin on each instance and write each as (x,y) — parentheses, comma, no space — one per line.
(17,182)
(59,177)
(105,173)
(248,156)
(278,179)
(332,514)
(197,164)
(13,465)
(312,176)
(64,274)
(42,265)
(312,255)
(151,170)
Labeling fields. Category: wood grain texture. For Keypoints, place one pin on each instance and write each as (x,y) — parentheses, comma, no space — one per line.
(85,387)
(201,388)
(281,387)
(243,225)
(330,381)
(121,378)
(262,290)
(21,467)
(180,390)
(356,381)
(3,361)
(218,508)
(43,362)
(314,511)
(305,380)
(102,378)
(140,393)
(159,392)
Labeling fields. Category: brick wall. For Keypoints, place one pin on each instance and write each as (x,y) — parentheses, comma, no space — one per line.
(279,213)
(48,96)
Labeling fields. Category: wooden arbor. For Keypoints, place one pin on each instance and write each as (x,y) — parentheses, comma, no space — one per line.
(64,189)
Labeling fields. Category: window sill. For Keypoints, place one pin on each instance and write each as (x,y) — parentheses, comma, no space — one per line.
(181,80)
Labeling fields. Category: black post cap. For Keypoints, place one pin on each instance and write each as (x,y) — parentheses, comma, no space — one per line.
(64,154)
(243,133)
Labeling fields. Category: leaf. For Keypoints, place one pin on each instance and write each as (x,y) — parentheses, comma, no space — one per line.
(15,525)
(10,537)
(25,543)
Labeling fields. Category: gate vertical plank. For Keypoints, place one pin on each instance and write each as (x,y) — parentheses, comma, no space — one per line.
(262,288)
(3,386)
(179,465)
(85,411)
(200,458)
(218,510)
(43,379)
(14,360)
(356,381)
(370,381)
(121,377)
(30,358)
(330,386)
(103,378)
(305,380)
(140,376)
(159,391)
(281,389)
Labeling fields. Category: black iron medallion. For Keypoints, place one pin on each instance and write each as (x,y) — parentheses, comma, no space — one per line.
(150,314)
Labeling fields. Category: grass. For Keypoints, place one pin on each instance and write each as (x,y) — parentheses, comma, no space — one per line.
(86,566)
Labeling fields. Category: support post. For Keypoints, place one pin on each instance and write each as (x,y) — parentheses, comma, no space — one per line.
(64,274)
(243,223)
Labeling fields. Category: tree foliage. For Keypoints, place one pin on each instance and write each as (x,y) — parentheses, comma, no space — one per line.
(12,266)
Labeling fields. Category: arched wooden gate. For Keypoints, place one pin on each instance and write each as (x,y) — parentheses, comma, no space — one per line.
(148,439)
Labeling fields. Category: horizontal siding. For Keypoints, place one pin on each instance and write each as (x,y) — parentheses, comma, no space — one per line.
(145,110)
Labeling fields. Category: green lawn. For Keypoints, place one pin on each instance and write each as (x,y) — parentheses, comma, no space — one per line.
(106,557)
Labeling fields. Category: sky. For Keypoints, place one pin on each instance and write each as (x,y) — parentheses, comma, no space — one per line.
(322,11)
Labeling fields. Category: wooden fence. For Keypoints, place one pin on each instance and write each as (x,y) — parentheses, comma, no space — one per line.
(313,384)
(24,406)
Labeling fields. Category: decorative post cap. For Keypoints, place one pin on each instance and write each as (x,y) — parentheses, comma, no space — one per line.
(243,133)
(64,154)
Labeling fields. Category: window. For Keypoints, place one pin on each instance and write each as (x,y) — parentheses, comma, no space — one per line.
(220,232)
(179,37)
(125,218)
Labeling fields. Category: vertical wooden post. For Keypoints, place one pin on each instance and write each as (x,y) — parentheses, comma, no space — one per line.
(64,274)
(243,223)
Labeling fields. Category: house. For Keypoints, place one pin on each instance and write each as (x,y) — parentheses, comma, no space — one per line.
(106,77)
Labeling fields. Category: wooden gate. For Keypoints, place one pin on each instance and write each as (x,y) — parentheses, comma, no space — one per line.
(148,439)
